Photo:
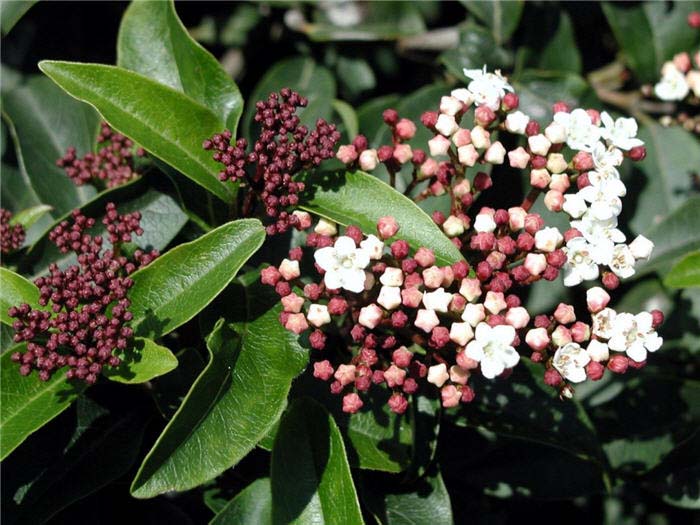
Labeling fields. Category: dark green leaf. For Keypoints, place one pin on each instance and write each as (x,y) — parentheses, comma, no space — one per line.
(178,285)
(14,291)
(501,16)
(251,505)
(16,194)
(685,273)
(12,11)
(29,216)
(348,116)
(544,50)
(476,48)
(360,199)
(300,74)
(538,90)
(235,401)
(677,480)
(142,363)
(310,475)
(136,105)
(44,122)
(28,403)
(153,42)
(355,75)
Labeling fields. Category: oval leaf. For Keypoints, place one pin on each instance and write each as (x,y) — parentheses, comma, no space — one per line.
(251,505)
(28,403)
(686,273)
(28,217)
(14,291)
(176,286)
(153,42)
(233,403)
(360,199)
(502,17)
(136,106)
(310,475)
(146,361)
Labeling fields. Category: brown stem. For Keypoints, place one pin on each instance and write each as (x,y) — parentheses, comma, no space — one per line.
(530,199)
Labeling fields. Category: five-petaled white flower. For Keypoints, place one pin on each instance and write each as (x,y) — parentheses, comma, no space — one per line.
(599,233)
(673,85)
(492,347)
(635,335)
(622,261)
(603,323)
(606,159)
(487,88)
(570,361)
(581,133)
(580,264)
(344,264)
(621,132)
(604,199)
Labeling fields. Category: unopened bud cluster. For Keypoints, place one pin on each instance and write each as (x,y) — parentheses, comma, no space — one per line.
(113,164)
(85,308)
(11,235)
(283,148)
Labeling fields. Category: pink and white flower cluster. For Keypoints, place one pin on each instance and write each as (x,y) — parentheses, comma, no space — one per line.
(680,77)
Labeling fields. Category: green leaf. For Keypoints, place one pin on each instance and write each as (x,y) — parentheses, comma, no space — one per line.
(360,199)
(44,122)
(424,501)
(650,33)
(161,220)
(27,403)
(676,480)
(175,287)
(251,505)
(552,49)
(153,42)
(685,273)
(16,194)
(665,181)
(355,75)
(675,236)
(29,216)
(14,291)
(303,75)
(538,90)
(370,119)
(476,47)
(233,403)
(502,17)
(310,475)
(12,11)
(142,363)
(102,448)
(136,106)
(348,116)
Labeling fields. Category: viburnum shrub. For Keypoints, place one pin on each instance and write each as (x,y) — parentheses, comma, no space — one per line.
(388,279)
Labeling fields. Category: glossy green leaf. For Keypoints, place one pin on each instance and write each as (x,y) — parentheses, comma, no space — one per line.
(251,505)
(348,116)
(537,90)
(665,181)
(476,47)
(142,363)
(235,401)
(675,236)
(167,123)
(16,194)
(161,220)
(44,123)
(153,42)
(360,199)
(310,475)
(12,11)
(177,285)
(650,33)
(303,75)
(102,448)
(28,403)
(423,501)
(29,216)
(15,290)
(501,16)
(685,273)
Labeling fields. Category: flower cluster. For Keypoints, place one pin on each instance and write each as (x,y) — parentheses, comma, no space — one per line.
(11,235)
(113,163)
(681,76)
(86,308)
(399,319)
(283,148)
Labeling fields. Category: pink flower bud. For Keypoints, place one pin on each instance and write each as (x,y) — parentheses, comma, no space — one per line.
(323,370)
(535,263)
(394,376)
(594,371)
(425,257)
(387,227)
(552,377)
(448,276)
(405,129)
(517,317)
(532,128)
(352,403)
(402,357)
(682,62)
(419,157)
(439,337)
(560,182)
(346,154)
(432,277)
(413,279)
(470,288)
(462,137)
(565,314)
(303,219)
(370,316)
(450,106)
(518,158)
(426,320)
(537,338)
(583,161)
(618,364)
(429,119)
(561,335)
(580,332)
(345,374)
(468,155)
(657,317)
(459,375)
(484,116)
(466,362)
(449,393)
(510,101)
(539,178)
(403,153)
(638,153)
(560,107)
(390,116)
(296,323)
(270,276)
(292,303)
(481,139)
(369,159)
(461,333)
(694,19)
(398,403)
(468,394)
(482,181)
(554,200)
(597,299)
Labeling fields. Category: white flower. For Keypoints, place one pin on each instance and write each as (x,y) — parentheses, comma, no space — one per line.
(463,95)
(446,124)
(344,265)
(437,374)
(605,204)
(603,323)
(641,247)
(598,351)
(606,159)
(673,85)
(450,106)
(318,315)
(484,222)
(438,301)
(579,266)
(571,360)
(516,122)
(599,232)
(634,335)
(373,246)
(487,88)
(326,227)
(622,261)
(620,132)
(389,297)
(492,348)
(581,133)
(574,205)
